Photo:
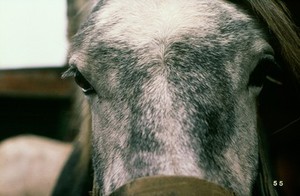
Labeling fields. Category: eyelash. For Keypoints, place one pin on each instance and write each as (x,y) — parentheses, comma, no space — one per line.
(80,80)
(265,68)
(71,72)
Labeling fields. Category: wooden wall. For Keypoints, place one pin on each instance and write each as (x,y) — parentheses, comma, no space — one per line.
(35,101)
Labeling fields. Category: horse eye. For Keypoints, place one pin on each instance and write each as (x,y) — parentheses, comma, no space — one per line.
(85,86)
(258,76)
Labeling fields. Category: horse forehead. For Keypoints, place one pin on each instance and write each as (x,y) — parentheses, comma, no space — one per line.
(138,22)
(156,23)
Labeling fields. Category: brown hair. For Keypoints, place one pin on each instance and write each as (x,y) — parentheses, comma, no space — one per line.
(277,17)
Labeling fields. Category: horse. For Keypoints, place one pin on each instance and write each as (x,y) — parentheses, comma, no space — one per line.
(172,89)
(30,165)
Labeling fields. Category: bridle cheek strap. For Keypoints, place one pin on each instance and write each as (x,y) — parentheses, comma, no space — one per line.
(169,186)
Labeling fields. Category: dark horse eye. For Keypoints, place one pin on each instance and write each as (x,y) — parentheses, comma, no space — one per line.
(86,87)
(264,67)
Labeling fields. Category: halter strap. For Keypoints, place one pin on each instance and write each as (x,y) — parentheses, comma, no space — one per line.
(171,185)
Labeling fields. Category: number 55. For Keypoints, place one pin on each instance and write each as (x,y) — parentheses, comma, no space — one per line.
(277,183)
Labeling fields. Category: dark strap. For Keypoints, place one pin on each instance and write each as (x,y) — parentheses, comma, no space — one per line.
(171,186)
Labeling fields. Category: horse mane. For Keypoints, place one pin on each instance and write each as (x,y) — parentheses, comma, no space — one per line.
(277,17)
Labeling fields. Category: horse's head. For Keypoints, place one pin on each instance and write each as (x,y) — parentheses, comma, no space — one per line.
(172,87)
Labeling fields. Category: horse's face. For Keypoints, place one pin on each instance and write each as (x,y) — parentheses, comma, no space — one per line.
(172,87)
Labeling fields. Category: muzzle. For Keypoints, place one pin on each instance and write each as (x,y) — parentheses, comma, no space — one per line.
(171,186)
